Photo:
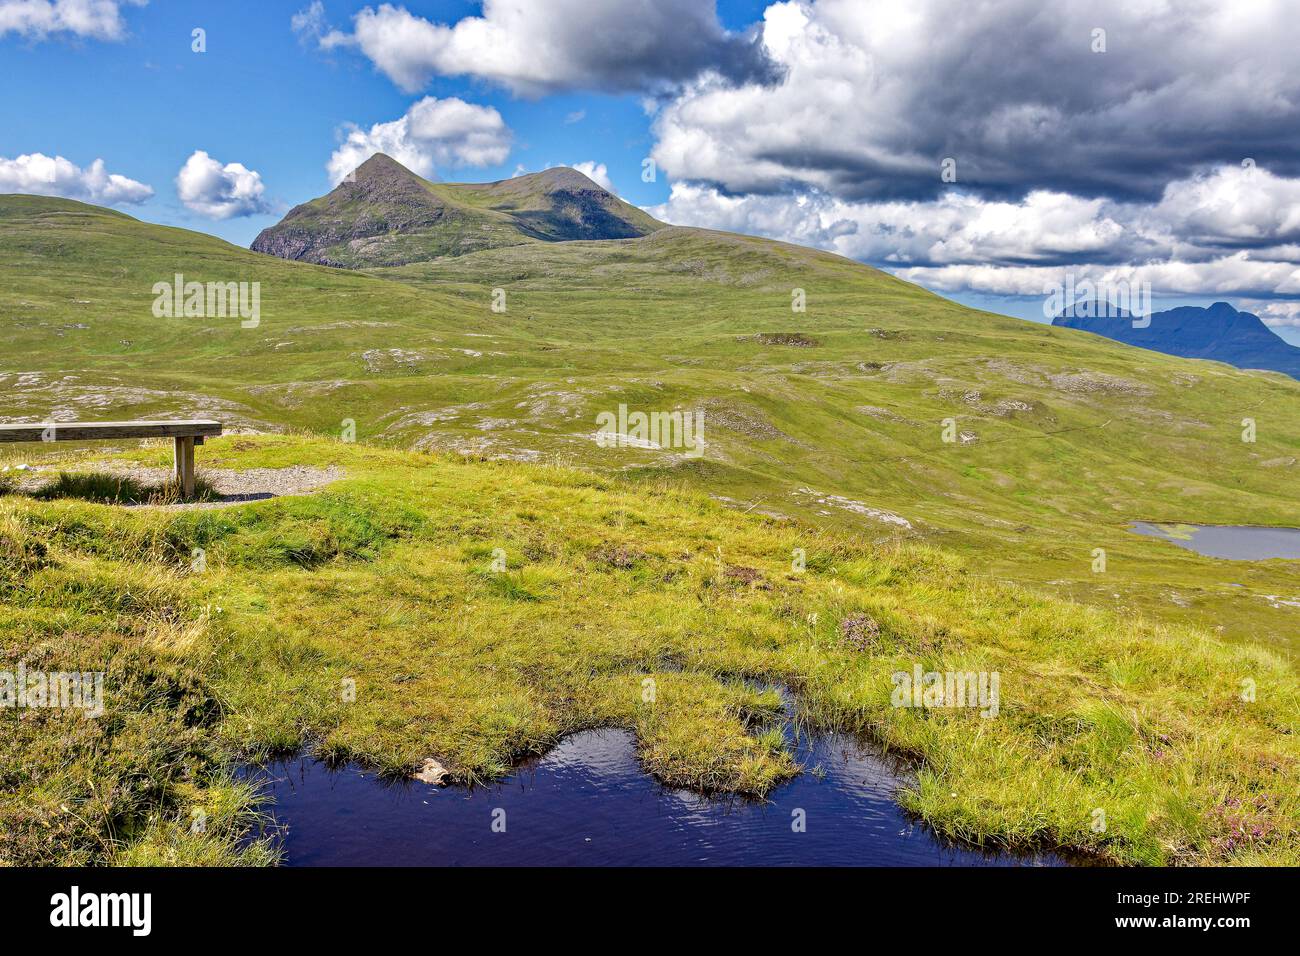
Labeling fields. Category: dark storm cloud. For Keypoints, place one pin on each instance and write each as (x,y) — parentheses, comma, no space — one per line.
(1021,95)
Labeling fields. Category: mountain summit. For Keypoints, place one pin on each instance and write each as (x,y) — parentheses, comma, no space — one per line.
(1220,333)
(383,214)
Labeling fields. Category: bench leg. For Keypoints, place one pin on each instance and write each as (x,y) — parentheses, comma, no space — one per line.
(184,470)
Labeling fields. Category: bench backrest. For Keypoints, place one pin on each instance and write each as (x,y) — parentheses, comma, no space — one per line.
(91,431)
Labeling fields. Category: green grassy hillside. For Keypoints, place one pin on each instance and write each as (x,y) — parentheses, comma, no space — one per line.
(481,610)
(1121,690)
(1072,436)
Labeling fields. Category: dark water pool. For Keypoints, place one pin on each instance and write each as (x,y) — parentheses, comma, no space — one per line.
(588,802)
(1240,542)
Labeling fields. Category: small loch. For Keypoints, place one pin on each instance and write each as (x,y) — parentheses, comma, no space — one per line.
(589,803)
(1237,542)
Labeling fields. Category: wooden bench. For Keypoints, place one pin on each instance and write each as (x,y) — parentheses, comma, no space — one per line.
(185,434)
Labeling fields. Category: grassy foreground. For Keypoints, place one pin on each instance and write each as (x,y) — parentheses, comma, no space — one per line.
(388,583)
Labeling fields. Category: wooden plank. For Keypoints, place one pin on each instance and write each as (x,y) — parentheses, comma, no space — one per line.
(93,431)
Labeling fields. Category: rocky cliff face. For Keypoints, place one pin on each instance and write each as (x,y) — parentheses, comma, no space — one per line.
(380,199)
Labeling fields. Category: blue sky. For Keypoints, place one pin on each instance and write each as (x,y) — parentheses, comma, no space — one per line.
(260,97)
(1159,157)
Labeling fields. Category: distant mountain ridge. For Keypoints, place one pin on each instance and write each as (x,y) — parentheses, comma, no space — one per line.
(1220,333)
(385,215)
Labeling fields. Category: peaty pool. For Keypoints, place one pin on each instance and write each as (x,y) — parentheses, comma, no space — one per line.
(589,803)
(1239,542)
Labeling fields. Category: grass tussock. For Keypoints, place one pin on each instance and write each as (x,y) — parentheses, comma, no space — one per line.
(480,611)
(120,489)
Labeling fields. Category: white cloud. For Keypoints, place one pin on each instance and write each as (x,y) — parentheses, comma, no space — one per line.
(546,45)
(1273,313)
(597,173)
(55,176)
(1233,205)
(220,192)
(1217,233)
(432,133)
(1044,226)
(1235,275)
(310,24)
(38,19)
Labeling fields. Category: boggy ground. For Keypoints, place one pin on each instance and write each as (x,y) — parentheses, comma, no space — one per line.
(371,620)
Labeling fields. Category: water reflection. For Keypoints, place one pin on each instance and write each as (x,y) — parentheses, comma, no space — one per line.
(588,802)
